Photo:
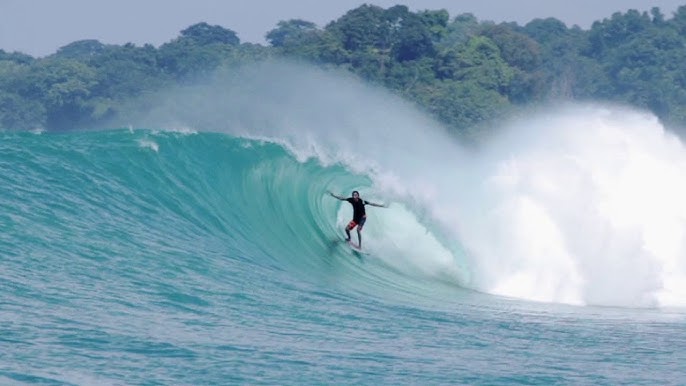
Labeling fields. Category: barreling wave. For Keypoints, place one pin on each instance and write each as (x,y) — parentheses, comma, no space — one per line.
(182,200)
(578,205)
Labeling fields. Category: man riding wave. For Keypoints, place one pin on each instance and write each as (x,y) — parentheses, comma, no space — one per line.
(359,214)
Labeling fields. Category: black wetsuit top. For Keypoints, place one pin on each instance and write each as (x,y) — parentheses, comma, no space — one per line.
(358,208)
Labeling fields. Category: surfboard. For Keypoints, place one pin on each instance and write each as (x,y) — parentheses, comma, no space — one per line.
(356,248)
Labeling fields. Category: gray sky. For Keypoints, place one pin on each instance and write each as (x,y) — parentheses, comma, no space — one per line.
(40,27)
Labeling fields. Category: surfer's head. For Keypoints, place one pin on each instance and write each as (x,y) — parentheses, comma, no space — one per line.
(356,194)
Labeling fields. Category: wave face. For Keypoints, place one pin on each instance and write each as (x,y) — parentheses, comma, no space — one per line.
(130,195)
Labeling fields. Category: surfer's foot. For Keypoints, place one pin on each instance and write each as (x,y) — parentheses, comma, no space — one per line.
(347,239)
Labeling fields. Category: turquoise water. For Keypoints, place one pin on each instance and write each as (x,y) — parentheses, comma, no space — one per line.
(146,257)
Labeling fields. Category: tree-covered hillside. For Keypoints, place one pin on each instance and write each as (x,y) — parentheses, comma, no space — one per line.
(463,71)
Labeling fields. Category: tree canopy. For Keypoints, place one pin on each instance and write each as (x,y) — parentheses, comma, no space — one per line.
(463,71)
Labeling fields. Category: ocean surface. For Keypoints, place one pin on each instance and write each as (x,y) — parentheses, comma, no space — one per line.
(179,257)
(205,250)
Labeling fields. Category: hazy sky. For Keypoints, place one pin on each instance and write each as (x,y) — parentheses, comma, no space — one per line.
(40,27)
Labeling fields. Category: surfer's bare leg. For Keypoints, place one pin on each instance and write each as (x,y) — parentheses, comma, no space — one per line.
(359,237)
(347,232)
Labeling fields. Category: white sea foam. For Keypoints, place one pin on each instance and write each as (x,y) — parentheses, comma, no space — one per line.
(582,205)
(149,144)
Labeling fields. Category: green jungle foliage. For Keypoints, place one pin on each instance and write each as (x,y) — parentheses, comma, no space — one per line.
(463,71)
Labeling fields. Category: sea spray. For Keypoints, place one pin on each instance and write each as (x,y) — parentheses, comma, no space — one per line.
(580,205)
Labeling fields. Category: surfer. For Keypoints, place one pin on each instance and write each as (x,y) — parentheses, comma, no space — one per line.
(359,214)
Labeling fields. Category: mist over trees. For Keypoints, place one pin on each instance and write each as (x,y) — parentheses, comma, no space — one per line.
(463,71)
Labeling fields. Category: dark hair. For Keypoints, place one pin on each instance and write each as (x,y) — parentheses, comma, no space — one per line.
(355,191)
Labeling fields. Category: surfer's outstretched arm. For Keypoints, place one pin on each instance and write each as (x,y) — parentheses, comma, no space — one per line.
(379,205)
(337,196)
